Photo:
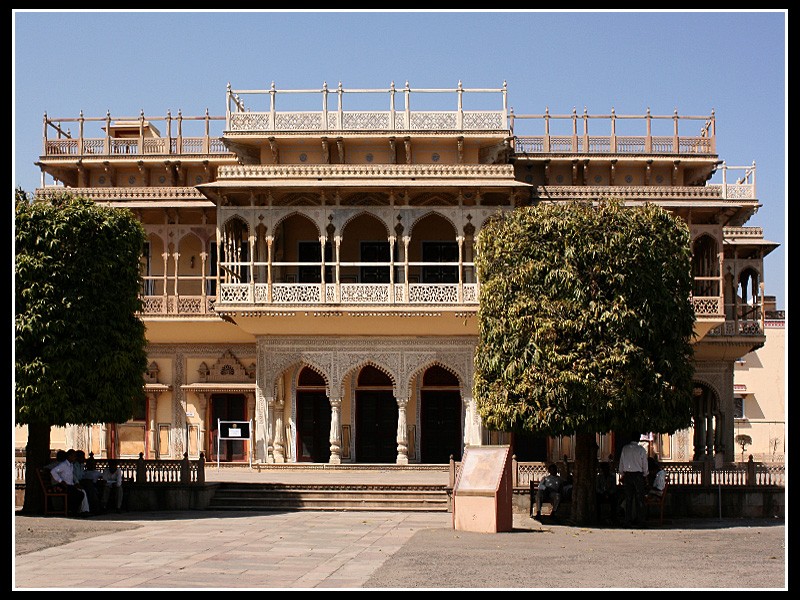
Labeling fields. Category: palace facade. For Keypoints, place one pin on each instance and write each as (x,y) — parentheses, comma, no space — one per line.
(310,270)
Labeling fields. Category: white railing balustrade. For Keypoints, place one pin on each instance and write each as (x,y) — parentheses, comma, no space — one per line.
(707,306)
(433,293)
(365,293)
(296,293)
(349,293)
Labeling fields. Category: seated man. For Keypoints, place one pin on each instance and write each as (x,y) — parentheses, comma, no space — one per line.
(112,493)
(549,490)
(606,489)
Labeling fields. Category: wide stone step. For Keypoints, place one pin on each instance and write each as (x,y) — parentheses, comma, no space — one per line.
(261,496)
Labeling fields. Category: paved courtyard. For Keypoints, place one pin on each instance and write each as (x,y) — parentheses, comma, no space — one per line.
(223,550)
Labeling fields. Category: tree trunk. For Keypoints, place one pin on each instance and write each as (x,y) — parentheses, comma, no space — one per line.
(584,498)
(37,455)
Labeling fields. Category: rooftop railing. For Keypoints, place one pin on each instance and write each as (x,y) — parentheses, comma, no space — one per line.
(614,142)
(240,118)
(100,136)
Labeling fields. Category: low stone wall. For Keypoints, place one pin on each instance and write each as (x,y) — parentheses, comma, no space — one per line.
(159,497)
(702,502)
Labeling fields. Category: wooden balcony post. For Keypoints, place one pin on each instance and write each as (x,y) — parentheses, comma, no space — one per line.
(179,149)
(392,240)
(574,131)
(322,240)
(44,137)
(406,242)
(460,109)
(546,141)
(460,240)
(407,94)
(80,133)
(505,98)
(713,133)
(165,257)
(272,93)
(324,105)
(270,239)
(206,138)
(338,293)
(340,108)
(107,143)
(168,149)
(141,131)
(675,143)
(585,130)
(724,168)
(392,124)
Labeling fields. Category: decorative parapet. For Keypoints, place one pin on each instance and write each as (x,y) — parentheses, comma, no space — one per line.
(364,171)
(253,122)
(613,145)
(755,233)
(649,193)
(747,327)
(119,147)
(400,117)
(117,194)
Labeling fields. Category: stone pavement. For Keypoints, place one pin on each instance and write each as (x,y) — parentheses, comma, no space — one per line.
(391,550)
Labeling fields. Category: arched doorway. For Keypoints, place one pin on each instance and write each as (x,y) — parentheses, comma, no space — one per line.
(708,422)
(227,407)
(313,418)
(376,417)
(440,417)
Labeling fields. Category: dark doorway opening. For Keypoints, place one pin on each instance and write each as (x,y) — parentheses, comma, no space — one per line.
(227,407)
(440,421)
(313,426)
(376,418)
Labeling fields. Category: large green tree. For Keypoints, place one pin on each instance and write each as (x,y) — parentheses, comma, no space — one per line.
(79,346)
(585,324)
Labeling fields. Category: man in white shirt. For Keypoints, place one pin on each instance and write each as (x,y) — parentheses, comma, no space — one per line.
(633,471)
(64,475)
(112,494)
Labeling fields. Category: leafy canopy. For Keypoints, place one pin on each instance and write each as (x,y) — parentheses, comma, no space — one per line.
(585,320)
(79,346)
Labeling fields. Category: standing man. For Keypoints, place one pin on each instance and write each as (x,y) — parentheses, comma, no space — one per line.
(633,471)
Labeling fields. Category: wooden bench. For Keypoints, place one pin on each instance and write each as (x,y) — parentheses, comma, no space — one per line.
(50,491)
(652,500)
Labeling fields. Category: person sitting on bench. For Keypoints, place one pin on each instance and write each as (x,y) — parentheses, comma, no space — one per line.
(549,490)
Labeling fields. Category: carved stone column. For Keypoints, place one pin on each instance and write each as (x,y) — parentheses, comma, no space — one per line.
(270,458)
(336,431)
(278,448)
(472,427)
(402,432)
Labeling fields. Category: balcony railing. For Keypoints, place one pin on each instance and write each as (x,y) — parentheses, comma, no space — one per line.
(349,293)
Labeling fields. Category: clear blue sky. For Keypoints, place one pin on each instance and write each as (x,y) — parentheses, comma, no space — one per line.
(732,62)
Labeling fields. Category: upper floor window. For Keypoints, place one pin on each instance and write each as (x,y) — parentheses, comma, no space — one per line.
(377,252)
(738,407)
(440,252)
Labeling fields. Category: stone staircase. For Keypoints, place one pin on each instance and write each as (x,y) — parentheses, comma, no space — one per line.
(242,496)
